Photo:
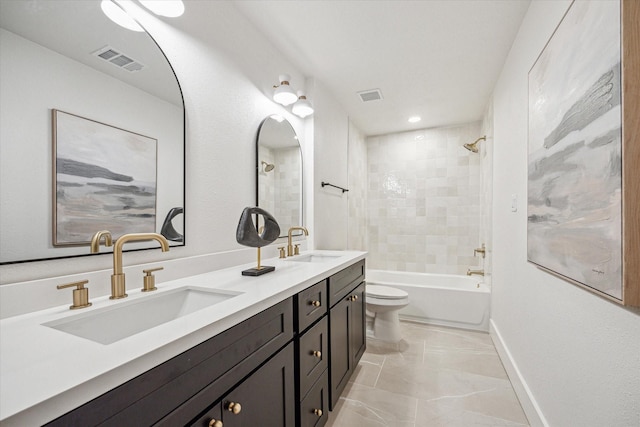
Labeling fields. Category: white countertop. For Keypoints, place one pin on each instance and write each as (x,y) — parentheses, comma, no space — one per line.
(45,373)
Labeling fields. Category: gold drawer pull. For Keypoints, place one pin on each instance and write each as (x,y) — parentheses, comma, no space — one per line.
(234,407)
(317,354)
(215,423)
(318,412)
(315,303)
(353,298)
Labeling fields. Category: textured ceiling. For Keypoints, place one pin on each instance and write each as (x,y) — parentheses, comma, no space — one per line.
(436,59)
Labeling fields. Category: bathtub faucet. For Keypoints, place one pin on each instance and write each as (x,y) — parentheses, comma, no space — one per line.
(478,272)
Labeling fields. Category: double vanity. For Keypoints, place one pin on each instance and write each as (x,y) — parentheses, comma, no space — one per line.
(216,349)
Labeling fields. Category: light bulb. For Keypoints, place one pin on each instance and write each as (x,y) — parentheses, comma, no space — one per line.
(168,8)
(119,16)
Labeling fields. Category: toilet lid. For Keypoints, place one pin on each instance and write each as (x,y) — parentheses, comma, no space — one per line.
(385,292)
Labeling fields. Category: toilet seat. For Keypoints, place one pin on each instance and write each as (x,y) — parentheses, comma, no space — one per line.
(385,292)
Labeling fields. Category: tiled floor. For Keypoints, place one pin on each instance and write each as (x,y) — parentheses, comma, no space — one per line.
(435,376)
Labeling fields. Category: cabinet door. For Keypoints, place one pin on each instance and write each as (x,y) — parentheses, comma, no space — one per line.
(266,398)
(358,324)
(339,345)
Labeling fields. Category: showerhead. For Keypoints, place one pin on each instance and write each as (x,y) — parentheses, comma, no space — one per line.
(267,167)
(473,147)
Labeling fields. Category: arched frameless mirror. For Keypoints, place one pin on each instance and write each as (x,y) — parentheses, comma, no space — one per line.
(279,172)
(74,87)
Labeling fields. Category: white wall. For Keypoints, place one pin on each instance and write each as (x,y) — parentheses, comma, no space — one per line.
(331,133)
(226,70)
(575,354)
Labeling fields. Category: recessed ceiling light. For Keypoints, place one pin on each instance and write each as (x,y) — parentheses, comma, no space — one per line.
(169,8)
(119,16)
(414,119)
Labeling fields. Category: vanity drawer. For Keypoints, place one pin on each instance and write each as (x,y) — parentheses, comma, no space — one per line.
(311,304)
(314,408)
(314,354)
(341,283)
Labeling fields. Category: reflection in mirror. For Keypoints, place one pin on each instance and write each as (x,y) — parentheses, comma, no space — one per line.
(279,167)
(66,55)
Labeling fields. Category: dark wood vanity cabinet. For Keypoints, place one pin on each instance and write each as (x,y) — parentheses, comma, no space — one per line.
(179,390)
(277,368)
(347,327)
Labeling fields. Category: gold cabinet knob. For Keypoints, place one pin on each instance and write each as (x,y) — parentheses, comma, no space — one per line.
(318,354)
(318,412)
(315,303)
(215,423)
(234,407)
(80,295)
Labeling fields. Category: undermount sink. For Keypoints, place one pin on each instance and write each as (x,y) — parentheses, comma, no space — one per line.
(314,258)
(110,324)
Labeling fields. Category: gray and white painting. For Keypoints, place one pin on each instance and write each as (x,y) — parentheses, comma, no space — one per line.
(574,160)
(105,180)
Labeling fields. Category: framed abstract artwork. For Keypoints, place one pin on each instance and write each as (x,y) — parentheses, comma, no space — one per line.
(104,178)
(579,161)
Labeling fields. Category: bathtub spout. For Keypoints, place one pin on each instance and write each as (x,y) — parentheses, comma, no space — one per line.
(478,272)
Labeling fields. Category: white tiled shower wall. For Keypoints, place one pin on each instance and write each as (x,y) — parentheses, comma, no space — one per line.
(423,200)
(280,188)
(357,195)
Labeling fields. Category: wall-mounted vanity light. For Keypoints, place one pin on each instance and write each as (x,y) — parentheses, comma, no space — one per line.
(168,8)
(284,94)
(302,108)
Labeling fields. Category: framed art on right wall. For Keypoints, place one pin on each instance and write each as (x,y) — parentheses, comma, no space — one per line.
(583,206)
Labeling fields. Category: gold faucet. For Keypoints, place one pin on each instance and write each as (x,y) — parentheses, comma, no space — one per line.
(95,240)
(289,245)
(478,272)
(482,250)
(117,278)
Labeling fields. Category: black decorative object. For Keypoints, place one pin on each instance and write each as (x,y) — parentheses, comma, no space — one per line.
(248,235)
(167,229)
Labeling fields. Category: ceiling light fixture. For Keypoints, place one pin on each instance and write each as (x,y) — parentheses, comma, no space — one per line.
(414,119)
(119,16)
(168,8)
(302,108)
(283,93)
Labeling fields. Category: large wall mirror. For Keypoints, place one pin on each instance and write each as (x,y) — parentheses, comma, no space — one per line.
(279,178)
(70,75)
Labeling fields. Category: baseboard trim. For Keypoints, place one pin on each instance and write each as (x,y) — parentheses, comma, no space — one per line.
(527,401)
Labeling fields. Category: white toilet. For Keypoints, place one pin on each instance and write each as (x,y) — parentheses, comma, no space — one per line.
(383,304)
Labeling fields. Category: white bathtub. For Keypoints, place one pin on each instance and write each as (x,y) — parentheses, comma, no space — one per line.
(440,299)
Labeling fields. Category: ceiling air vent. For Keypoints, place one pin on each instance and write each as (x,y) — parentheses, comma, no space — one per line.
(118,59)
(370,95)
